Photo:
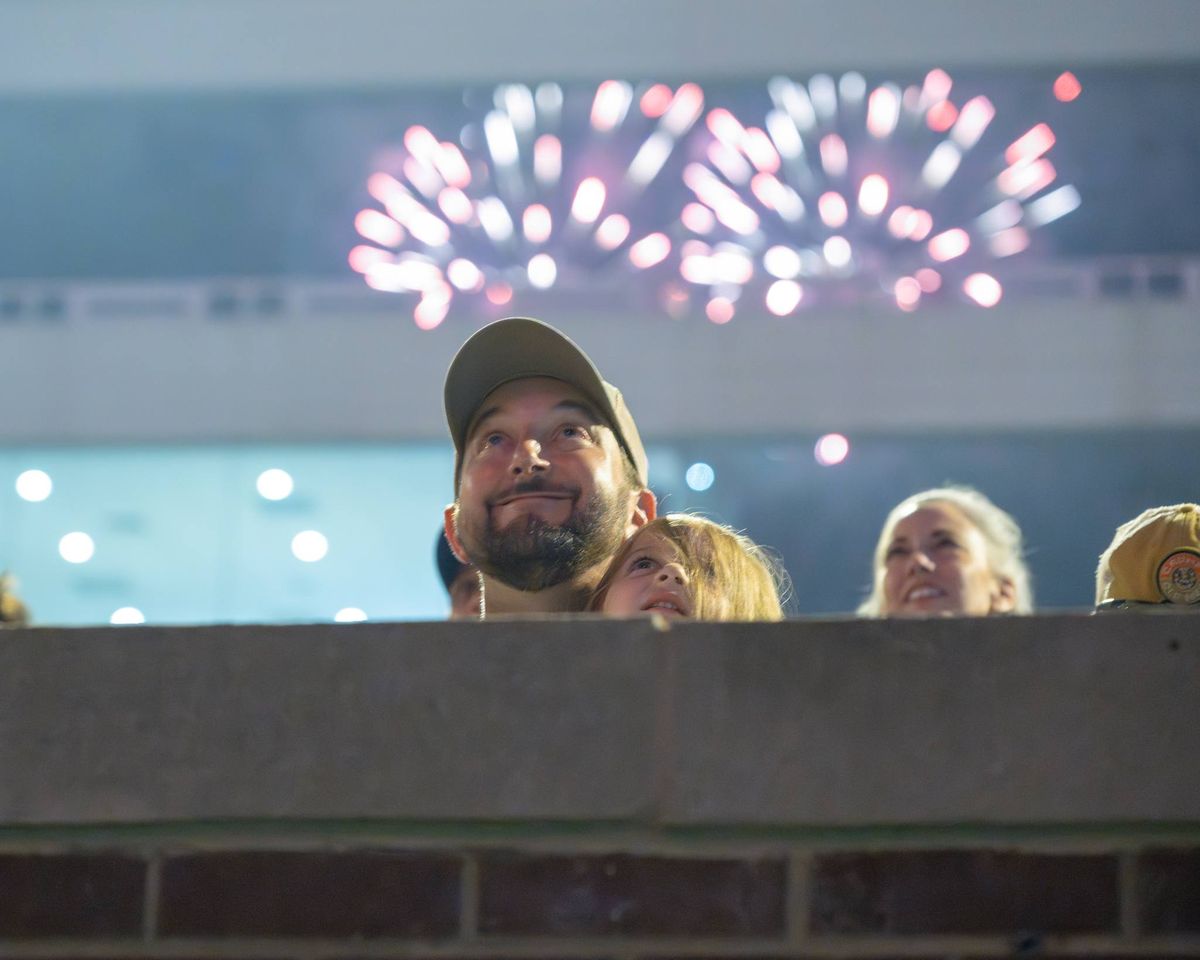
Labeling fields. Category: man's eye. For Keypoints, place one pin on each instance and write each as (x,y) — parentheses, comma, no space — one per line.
(573,432)
(493,439)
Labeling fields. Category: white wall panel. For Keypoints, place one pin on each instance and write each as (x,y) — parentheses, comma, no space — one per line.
(85,45)
(345,375)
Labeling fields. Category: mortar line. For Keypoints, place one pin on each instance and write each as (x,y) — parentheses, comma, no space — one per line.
(468,908)
(301,834)
(151,896)
(833,947)
(1127,893)
(798,896)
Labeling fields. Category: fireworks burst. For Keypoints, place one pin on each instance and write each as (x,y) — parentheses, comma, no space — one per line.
(843,194)
(540,190)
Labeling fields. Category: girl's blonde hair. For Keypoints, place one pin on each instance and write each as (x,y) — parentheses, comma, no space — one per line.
(730,576)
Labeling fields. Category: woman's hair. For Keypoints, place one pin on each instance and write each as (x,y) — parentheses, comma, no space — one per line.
(1002,536)
(730,577)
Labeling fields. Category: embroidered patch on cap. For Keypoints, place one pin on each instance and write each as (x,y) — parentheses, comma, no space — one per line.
(1179,577)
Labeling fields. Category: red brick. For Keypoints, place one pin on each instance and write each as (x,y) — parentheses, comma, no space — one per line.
(71,895)
(964,891)
(630,895)
(274,893)
(1169,891)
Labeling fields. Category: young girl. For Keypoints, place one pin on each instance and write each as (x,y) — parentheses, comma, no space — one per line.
(686,566)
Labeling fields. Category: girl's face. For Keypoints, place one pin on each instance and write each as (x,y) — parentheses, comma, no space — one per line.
(651,579)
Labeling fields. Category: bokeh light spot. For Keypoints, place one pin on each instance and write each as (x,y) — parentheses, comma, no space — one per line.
(543,271)
(650,250)
(984,289)
(838,253)
(76,547)
(656,100)
(719,310)
(929,280)
(309,546)
(700,476)
(941,116)
(125,616)
(34,485)
(274,484)
(1067,87)
(948,245)
(908,293)
(784,296)
(499,294)
(831,449)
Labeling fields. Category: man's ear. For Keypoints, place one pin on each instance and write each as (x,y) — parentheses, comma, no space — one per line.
(452,535)
(645,509)
(1004,597)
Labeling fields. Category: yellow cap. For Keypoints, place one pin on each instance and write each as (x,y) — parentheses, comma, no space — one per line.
(1154,558)
(12,611)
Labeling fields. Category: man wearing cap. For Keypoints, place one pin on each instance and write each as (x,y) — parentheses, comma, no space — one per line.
(550,474)
(1153,559)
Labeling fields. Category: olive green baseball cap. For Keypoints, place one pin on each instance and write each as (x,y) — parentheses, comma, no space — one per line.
(520,347)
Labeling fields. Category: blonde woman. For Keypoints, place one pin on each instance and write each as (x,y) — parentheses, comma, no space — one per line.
(949,551)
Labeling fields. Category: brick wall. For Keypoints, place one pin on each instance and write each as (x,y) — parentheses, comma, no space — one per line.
(613,793)
(334,896)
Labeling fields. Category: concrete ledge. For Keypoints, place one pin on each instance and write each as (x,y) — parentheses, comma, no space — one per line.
(392,720)
(1054,719)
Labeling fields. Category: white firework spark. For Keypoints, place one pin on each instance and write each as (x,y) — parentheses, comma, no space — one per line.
(842,194)
(541,187)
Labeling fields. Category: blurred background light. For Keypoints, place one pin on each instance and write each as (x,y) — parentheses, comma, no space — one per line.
(543,271)
(831,449)
(1067,87)
(127,616)
(350,615)
(700,477)
(908,293)
(719,310)
(576,194)
(34,485)
(884,167)
(76,547)
(274,484)
(838,252)
(985,290)
(783,297)
(309,546)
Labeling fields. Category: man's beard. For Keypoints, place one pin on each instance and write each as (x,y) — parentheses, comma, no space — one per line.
(531,554)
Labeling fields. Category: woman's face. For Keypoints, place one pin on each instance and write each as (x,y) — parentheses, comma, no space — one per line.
(651,579)
(935,564)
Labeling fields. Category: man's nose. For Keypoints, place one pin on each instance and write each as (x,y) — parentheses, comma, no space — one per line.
(672,572)
(527,458)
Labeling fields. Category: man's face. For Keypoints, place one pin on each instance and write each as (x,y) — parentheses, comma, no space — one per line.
(543,495)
